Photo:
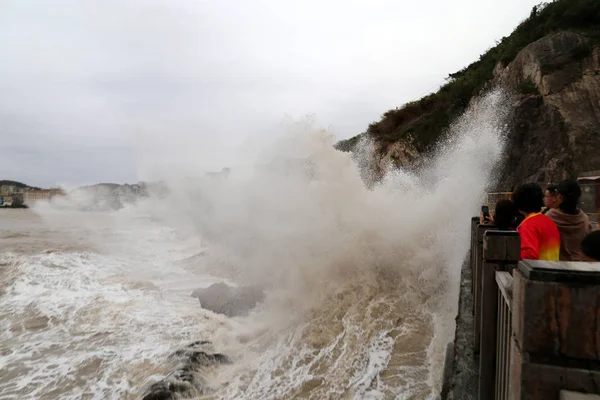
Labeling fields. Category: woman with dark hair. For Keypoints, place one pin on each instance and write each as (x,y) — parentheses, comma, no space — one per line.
(573,224)
(540,239)
(506,216)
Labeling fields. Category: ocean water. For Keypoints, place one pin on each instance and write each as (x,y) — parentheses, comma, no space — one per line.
(361,285)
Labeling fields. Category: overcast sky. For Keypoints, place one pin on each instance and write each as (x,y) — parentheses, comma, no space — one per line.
(86,86)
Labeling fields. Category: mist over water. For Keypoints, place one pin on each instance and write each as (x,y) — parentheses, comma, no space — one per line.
(361,284)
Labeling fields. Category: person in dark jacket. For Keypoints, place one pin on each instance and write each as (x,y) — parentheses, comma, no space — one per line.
(590,246)
(573,224)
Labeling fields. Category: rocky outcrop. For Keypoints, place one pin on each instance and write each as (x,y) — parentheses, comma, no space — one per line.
(228,300)
(399,154)
(555,129)
(375,158)
(186,381)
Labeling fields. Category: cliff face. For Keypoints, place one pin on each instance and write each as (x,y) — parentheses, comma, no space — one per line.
(381,157)
(555,130)
(551,65)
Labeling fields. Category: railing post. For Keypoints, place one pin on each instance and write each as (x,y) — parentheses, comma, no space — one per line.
(556,329)
(473,249)
(477,277)
(501,250)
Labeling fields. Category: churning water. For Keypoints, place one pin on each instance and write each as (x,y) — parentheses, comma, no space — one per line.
(361,285)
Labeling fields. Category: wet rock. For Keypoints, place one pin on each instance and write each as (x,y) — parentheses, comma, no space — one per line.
(553,132)
(229,300)
(186,380)
(197,359)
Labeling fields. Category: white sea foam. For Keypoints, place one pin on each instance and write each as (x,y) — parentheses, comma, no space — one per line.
(96,326)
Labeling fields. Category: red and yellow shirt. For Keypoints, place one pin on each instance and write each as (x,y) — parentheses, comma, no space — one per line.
(540,239)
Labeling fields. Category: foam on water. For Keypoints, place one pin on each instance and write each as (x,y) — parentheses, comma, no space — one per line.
(361,285)
(90,325)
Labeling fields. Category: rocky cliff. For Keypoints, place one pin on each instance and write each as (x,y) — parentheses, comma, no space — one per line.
(555,129)
(550,64)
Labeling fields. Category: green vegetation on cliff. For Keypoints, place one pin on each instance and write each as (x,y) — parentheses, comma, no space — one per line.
(427,119)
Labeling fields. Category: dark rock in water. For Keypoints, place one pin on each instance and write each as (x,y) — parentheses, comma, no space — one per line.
(231,301)
(185,381)
(165,391)
(196,358)
(198,343)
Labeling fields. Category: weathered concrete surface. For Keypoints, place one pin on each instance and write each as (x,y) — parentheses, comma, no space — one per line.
(557,319)
(567,395)
(532,381)
(555,331)
(464,377)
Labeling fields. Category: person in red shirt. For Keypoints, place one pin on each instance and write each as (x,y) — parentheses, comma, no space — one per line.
(540,239)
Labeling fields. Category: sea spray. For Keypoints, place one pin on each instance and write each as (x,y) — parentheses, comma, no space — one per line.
(303,226)
(360,282)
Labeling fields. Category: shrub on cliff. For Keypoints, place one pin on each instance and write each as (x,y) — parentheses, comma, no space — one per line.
(427,118)
(528,87)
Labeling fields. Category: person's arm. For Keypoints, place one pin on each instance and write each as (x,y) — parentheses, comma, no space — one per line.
(530,242)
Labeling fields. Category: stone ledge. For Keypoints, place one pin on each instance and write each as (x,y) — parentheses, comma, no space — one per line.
(568,395)
(565,272)
(557,320)
(544,382)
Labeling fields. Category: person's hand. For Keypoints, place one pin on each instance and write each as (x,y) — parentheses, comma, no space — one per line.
(485,221)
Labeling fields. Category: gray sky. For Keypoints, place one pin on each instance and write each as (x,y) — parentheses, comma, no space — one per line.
(89,87)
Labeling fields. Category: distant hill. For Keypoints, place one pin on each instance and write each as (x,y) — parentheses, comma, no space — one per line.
(16,184)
